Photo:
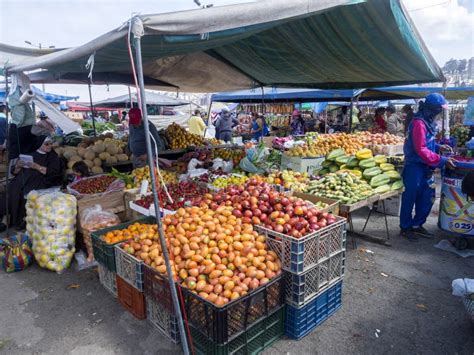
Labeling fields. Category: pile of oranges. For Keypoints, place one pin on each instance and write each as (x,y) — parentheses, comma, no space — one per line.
(213,253)
(133,231)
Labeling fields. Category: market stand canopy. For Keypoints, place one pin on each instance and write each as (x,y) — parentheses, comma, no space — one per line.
(152,98)
(298,43)
(306,95)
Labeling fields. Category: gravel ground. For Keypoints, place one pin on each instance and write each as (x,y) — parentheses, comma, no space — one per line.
(404,291)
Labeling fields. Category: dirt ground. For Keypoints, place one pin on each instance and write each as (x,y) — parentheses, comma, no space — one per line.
(396,300)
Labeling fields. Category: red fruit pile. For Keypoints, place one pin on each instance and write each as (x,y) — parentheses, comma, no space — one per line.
(257,203)
(93,185)
(183,193)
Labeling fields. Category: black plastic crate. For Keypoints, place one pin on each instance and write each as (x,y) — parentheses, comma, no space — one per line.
(254,340)
(222,324)
(156,287)
(105,253)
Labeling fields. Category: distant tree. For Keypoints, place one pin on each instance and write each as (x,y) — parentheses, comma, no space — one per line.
(462,65)
(451,66)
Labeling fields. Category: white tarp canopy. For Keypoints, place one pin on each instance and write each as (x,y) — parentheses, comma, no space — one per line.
(298,43)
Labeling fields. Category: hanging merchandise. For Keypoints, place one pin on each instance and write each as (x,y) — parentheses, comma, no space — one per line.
(51,222)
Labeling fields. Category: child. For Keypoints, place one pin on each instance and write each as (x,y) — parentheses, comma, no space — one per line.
(80,171)
(467,186)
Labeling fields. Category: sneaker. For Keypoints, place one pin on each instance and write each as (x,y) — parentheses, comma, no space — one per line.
(422,232)
(409,235)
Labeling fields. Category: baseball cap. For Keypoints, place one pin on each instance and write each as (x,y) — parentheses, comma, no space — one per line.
(134,116)
(436,100)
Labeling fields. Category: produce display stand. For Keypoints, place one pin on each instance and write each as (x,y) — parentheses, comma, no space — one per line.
(122,166)
(347,210)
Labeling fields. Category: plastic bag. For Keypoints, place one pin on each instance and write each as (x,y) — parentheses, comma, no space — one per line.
(463,287)
(92,219)
(51,225)
(15,253)
(224,165)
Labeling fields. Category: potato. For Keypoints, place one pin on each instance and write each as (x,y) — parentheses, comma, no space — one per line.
(89,155)
(111,160)
(69,152)
(97,170)
(111,149)
(97,162)
(104,155)
(81,151)
(89,163)
(98,147)
(75,158)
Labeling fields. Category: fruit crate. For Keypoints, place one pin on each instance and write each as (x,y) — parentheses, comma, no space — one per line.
(298,255)
(129,267)
(254,340)
(157,288)
(222,324)
(303,288)
(105,253)
(162,320)
(301,165)
(108,280)
(300,322)
(131,299)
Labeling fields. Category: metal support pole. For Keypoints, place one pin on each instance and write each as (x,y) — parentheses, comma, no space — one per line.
(130,97)
(92,109)
(208,117)
(174,295)
(263,101)
(7,150)
(350,114)
(445,115)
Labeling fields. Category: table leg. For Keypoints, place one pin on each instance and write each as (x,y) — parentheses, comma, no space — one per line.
(367,219)
(386,222)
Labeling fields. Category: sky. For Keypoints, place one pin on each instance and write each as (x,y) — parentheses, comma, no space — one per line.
(447,26)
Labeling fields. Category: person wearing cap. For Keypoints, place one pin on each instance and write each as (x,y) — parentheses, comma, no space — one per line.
(224,124)
(297,123)
(46,170)
(44,126)
(196,125)
(137,140)
(421,159)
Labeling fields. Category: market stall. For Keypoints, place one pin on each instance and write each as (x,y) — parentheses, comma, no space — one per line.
(225,254)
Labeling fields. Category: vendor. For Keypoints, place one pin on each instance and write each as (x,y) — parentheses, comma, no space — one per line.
(297,123)
(44,127)
(44,172)
(259,127)
(421,159)
(137,140)
(467,186)
(196,124)
(380,123)
(394,122)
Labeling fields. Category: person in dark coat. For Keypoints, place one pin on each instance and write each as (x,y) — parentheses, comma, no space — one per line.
(224,124)
(44,172)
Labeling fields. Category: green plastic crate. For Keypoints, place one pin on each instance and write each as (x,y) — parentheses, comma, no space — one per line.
(254,340)
(104,253)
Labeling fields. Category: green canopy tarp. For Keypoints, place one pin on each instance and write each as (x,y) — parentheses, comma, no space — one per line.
(298,43)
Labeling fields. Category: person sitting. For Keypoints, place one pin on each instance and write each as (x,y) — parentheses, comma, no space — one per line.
(44,172)
(80,170)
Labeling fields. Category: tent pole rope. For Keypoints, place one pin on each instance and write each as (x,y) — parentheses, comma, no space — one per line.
(208,117)
(154,186)
(92,108)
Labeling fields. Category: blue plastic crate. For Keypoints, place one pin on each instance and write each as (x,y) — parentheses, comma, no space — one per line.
(301,289)
(300,322)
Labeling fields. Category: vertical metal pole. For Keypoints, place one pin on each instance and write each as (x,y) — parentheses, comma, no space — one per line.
(445,115)
(130,97)
(350,114)
(263,101)
(92,109)
(208,117)
(7,151)
(174,295)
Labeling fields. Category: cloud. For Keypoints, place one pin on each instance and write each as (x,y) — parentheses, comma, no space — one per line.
(447,27)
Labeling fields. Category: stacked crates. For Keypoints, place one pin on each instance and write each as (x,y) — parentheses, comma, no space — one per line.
(314,269)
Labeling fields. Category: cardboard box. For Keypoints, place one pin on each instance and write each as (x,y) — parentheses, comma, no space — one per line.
(301,165)
(333,204)
(392,206)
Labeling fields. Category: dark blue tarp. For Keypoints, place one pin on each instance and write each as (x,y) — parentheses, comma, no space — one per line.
(307,95)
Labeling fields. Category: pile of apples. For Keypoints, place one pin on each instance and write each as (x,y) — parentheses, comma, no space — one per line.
(259,204)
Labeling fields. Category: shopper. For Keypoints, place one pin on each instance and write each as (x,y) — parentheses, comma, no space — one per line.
(394,121)
(380,123)
(259,127)
(196,124)
(467,186)
(3,128)
(224,124)
(407,113)
(44,172)
(421,159)
(137,138)
(297,123)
